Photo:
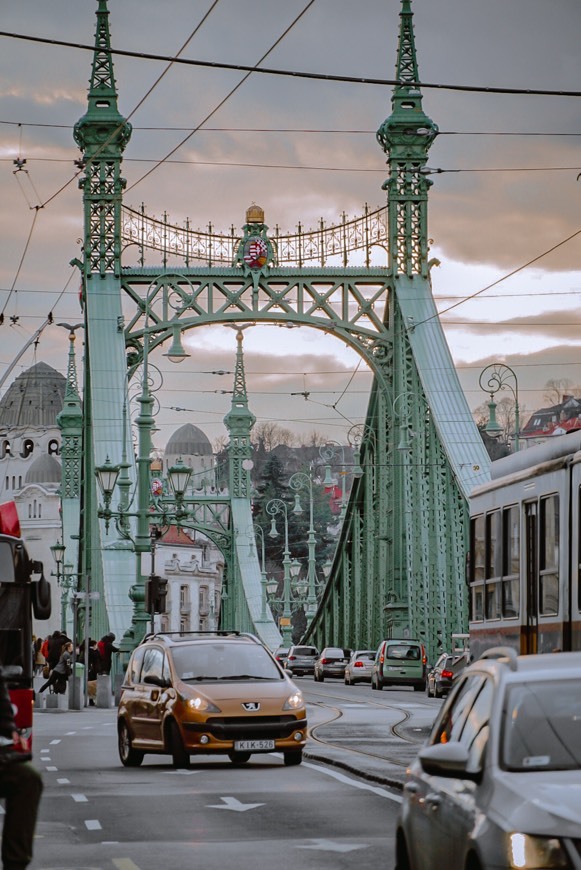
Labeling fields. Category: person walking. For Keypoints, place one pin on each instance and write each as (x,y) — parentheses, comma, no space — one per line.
(38,660)
(20,786)
(55,647)
(61,671)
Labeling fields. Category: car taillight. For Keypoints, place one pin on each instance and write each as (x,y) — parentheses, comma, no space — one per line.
(291,658)
(447,675)
(358,665)
(424,656)
(326,661)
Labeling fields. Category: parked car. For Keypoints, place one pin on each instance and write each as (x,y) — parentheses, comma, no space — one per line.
(281,654)
(400,663)
(498,783)
(210,692)
(331,663)
(359,666)
(442,675)
(301,660)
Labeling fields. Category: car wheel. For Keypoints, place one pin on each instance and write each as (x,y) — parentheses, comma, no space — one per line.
(239,757)
(428,690)
(348,681)
(437,692)
(180,758)
(129,756)
(473,863)
(402,860)
(292,757)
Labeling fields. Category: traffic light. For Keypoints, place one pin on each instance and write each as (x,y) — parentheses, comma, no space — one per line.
(155,594)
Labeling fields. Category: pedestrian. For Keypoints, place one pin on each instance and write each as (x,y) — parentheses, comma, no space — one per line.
(20,786)
(61,672)
(106,650)
(38,660)
(92,672)
(55,647)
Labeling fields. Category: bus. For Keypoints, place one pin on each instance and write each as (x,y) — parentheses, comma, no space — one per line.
(524,562)
(21,597)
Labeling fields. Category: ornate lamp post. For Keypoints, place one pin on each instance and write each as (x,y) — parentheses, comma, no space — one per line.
(493,378)
(258,530)
(58,553)
(274,507)
(299,481)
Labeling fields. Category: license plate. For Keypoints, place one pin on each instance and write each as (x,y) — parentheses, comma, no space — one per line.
(253,745)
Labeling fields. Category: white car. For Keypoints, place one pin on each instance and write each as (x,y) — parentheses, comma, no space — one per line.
(498,783)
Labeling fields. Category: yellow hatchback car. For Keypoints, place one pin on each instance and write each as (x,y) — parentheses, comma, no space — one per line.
(216,692)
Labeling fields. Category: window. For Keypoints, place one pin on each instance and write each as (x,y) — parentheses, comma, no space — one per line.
(152,664)
(53,448)
(549,557)
(27,448)
(135,666)
(493,564)
(184,597)
(449,726)
(474,735)
(511,562)
(477,549)
(203,600)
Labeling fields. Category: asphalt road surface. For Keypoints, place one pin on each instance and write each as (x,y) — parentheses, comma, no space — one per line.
(216,816)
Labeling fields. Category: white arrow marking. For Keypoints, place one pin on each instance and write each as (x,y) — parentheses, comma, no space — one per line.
(232,803)
(332,846)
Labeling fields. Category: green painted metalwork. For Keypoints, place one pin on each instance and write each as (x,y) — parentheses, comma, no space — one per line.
(399,566)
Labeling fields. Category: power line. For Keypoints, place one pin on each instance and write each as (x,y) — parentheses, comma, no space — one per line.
(296,74)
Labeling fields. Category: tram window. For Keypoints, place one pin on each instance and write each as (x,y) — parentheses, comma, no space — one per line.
(493,542)
(493,600)
(511,562)
(478,603)
(477,550)
(549,557)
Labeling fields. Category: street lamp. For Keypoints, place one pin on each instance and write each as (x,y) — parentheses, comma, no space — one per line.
(263,582)
(299,481)
(274,507)
(493,378)
(58,552)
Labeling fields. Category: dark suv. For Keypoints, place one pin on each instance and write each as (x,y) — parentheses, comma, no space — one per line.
(301,660)
(208,692)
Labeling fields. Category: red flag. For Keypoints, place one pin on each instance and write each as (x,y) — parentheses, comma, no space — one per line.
(9,522)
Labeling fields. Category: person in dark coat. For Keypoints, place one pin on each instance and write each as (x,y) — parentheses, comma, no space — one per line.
(106,649)
(61,672)
(20,786)
(55,648)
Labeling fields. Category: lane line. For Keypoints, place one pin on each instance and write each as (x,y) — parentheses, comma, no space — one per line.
(93,825)
(54,742)
(64,781)
(125,864)
(52,769)
(374,789)
(80,798)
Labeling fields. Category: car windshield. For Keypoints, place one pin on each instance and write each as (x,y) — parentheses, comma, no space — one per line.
(304,651)
(224,661)
(542,726)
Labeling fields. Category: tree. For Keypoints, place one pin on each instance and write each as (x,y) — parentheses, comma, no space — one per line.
(269,435)
(556,388)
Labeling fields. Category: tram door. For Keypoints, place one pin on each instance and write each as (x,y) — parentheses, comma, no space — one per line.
(530,584)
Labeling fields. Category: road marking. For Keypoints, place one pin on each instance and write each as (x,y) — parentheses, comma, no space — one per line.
(68,733)
(44,750)
(64,781)
(52,769)
(333,846)
(374,789)
(232,803)
(54,742)
(80,798)
(184,772)
(125,864)
(93,825)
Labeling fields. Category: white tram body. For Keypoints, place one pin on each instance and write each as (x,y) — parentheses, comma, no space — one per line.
(524,561)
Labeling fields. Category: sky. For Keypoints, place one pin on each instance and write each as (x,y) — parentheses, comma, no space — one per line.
(504,216)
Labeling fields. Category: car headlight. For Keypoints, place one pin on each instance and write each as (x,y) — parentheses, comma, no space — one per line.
(532,852)
(294,701)
(201,705)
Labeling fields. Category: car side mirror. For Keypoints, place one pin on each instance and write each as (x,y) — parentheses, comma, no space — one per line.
(447,759)
(153,680)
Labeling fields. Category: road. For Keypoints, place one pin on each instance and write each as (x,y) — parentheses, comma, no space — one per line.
(337,808)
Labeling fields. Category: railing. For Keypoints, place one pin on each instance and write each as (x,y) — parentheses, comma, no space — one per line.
(183,243)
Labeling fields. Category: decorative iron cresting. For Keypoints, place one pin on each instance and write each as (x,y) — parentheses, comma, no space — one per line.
(316,245)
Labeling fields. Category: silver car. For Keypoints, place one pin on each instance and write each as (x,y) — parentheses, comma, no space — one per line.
(359,667)
(498,783)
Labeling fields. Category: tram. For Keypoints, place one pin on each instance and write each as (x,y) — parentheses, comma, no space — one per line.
(523,566)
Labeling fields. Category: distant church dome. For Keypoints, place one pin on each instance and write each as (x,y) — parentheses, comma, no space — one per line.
(34,398)
(188,440)
(44,469)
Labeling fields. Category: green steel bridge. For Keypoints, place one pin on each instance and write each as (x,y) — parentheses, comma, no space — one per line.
(399,567)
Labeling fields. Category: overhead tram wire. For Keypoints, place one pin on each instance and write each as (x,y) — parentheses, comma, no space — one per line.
(298,74)
(224,100)
(171,61)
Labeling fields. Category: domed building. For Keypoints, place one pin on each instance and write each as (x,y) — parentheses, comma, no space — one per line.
(30,467)
(192,565)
